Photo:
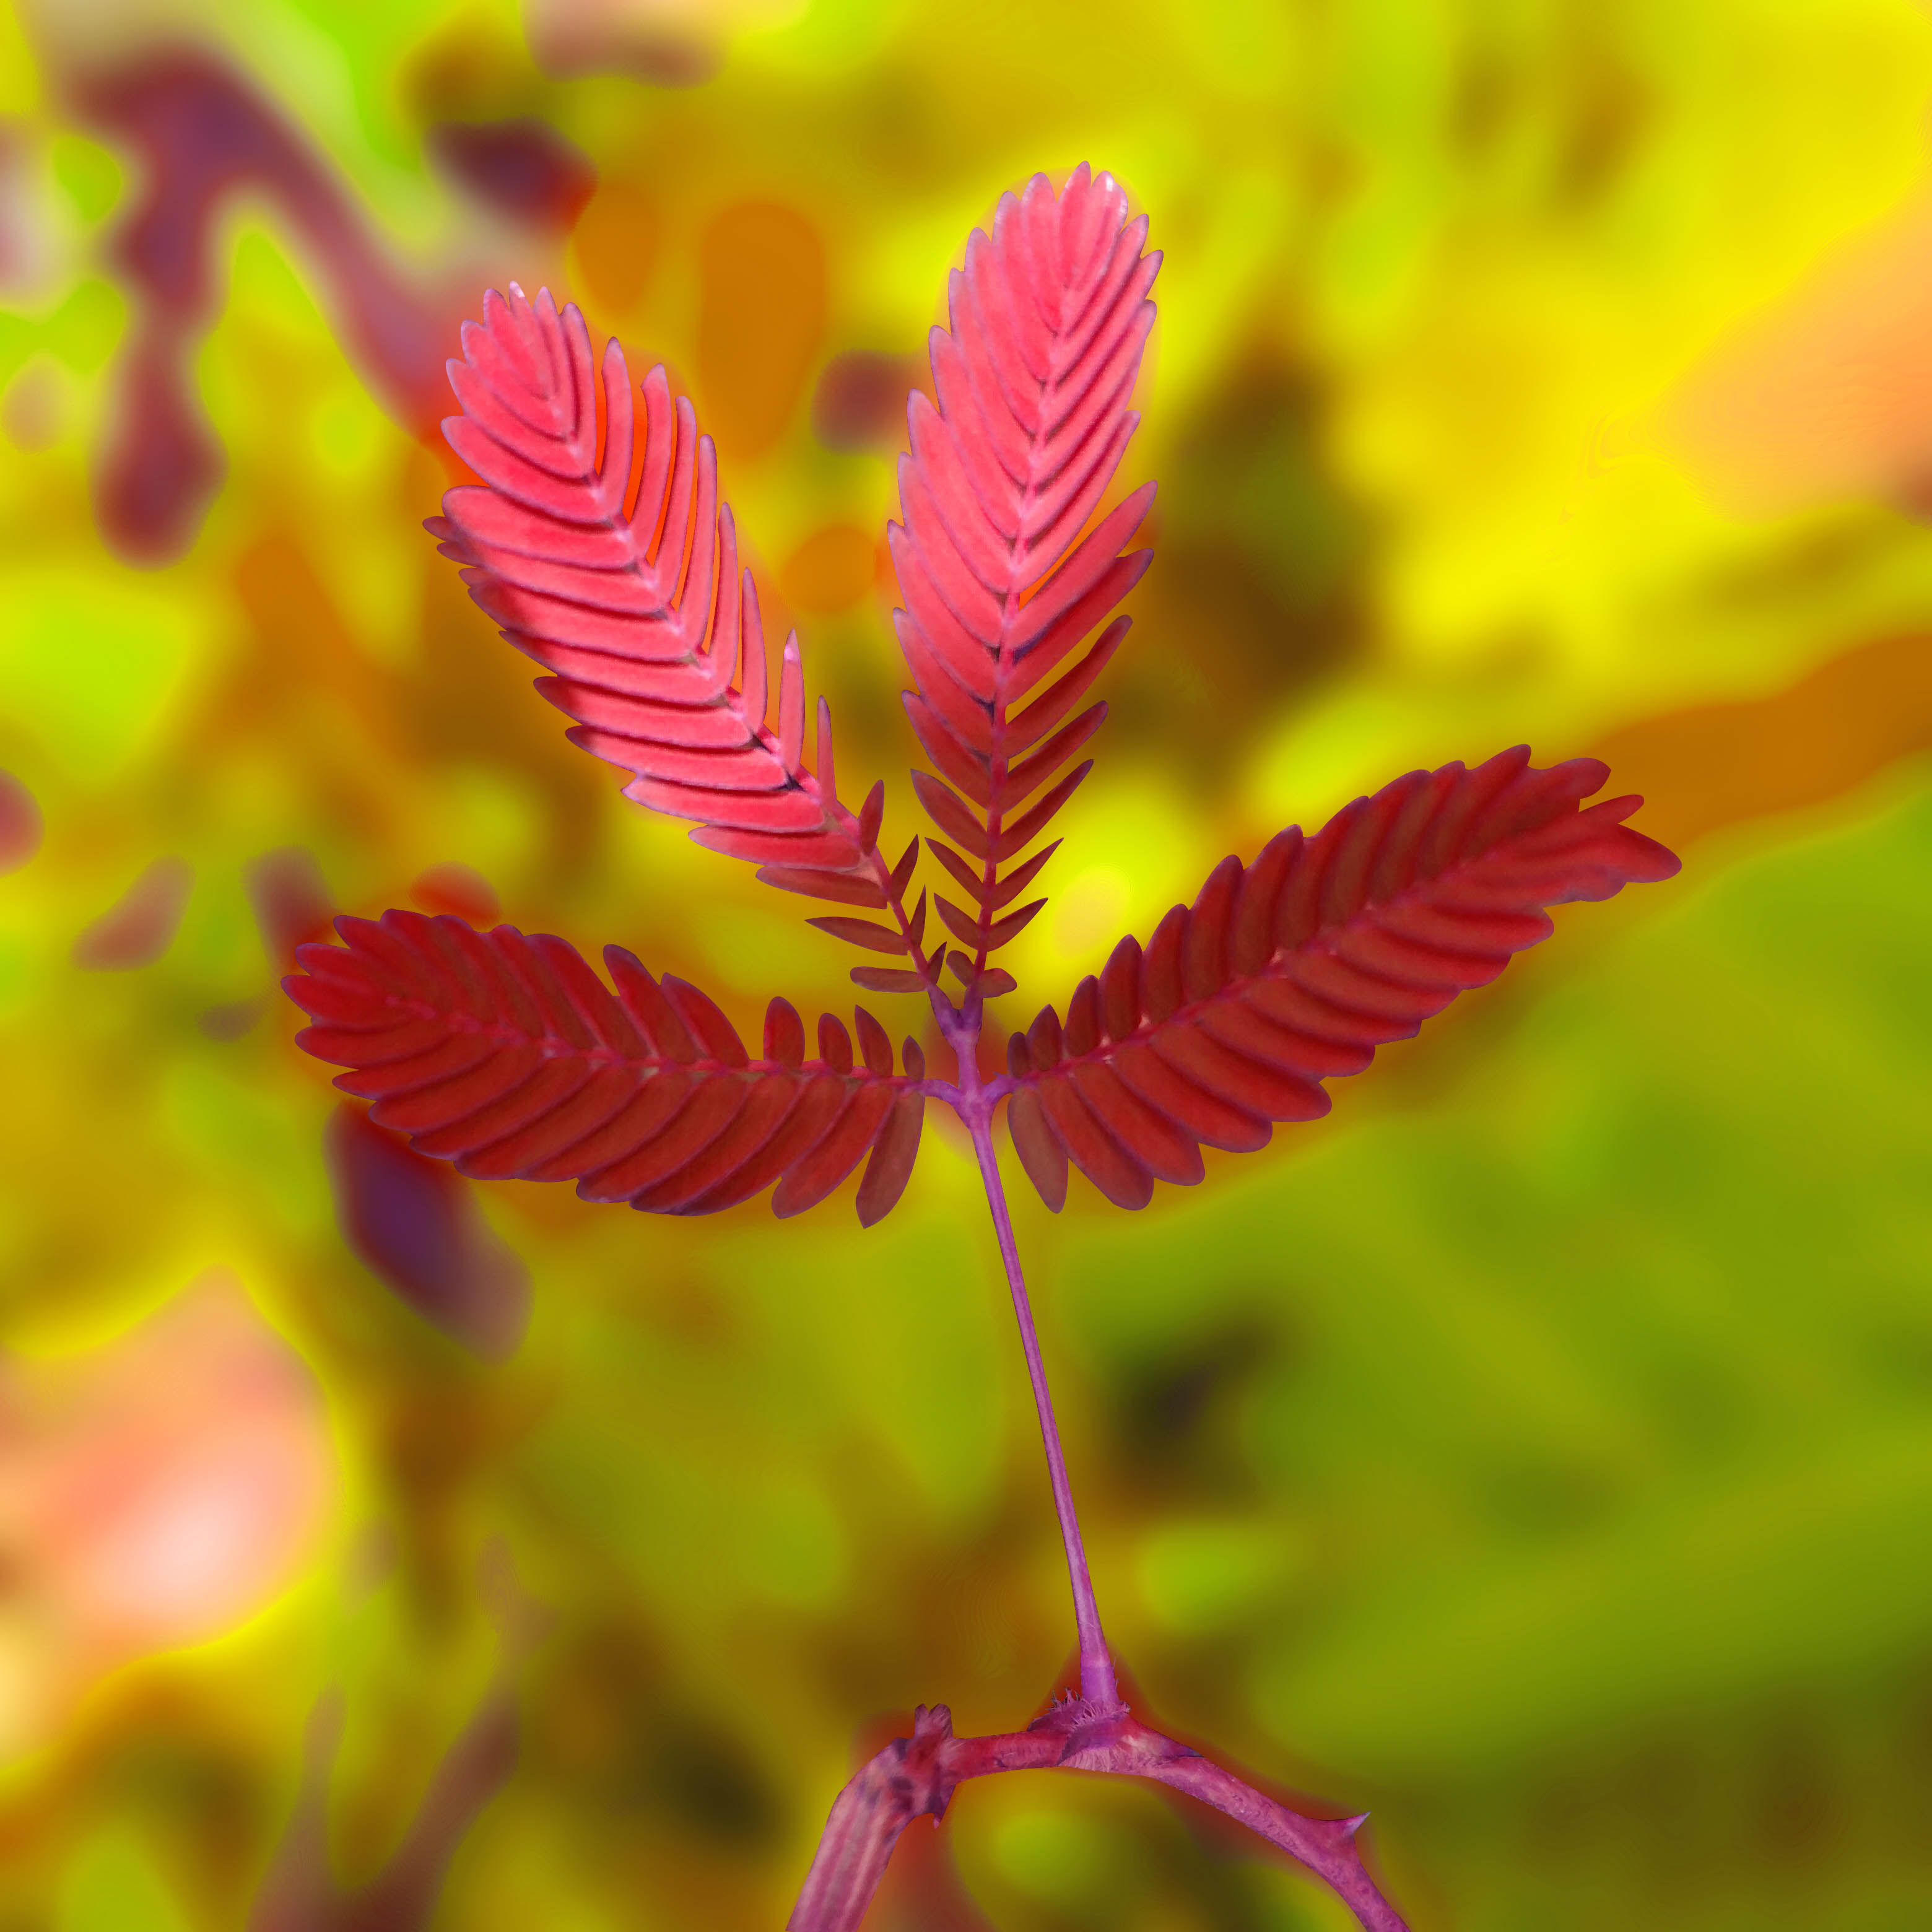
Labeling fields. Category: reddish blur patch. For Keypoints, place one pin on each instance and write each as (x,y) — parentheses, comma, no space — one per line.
(761,313)
(232,1018)
(523,168)
(860,401)
(414,1224)
(155,1491)
(20,823)
(30,411)
(141,925)
(291,900)
(831,570)
(454,888)
(574,37)
(202,134)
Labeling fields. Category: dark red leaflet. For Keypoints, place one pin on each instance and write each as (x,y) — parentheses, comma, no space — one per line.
(1294,970)
(453,1053)
(714,1034)
(767,1101)
(1242,1025)
(1040,1151)
(846,888)
(1274,1094)
(824,1098)
(1205,1116)
(1081,1033)
(651,1012)
(1147,1134)
(784,1034)
(888,980)
(635,1125)
(715,1100)
(837,1154)
(874,1043)
(1093,1150)
(553,1084)
(522,1152)
(862,932)
(893,1153)
(375,1046)
(516,1060)
(462,1093)
(348,1008)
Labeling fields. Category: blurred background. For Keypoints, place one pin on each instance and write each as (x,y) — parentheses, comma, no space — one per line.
(1537,1452)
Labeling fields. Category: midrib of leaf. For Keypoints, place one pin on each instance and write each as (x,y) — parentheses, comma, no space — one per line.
(1010,603)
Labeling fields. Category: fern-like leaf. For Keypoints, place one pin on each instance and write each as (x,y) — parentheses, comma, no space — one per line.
(629,591)
(511,1057)
(1049,316)
(1294,970)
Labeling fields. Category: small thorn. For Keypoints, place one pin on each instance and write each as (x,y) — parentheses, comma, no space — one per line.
(1350,1826)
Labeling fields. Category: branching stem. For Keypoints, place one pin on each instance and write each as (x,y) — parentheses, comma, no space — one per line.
(916,1777)
(975,1107)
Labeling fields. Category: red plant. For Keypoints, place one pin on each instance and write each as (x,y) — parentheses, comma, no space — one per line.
(602,548)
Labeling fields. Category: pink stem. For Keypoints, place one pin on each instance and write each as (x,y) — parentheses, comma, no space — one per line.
(916,1777)
(1096,1664)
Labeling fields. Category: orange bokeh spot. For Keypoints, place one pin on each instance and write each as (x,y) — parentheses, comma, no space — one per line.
(831,570)
(614,246)
(761,318)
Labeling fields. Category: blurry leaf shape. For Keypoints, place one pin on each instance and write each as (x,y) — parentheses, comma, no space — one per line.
(761,315)
(614,246)
(204,133)
(301,1892)
(157,1489)
(413,1223)
(831,570)
(140,926)
(452,888)
(860,400)
(523,168)
(1714,765)
(163,465)
(291,902)
(20,824)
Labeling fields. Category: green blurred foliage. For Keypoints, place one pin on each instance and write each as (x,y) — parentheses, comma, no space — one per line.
(1538,1452)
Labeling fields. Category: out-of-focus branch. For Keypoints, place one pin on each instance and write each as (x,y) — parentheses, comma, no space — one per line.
(301,1894)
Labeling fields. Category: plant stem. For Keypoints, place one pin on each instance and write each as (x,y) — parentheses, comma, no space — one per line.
(1096,1664)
